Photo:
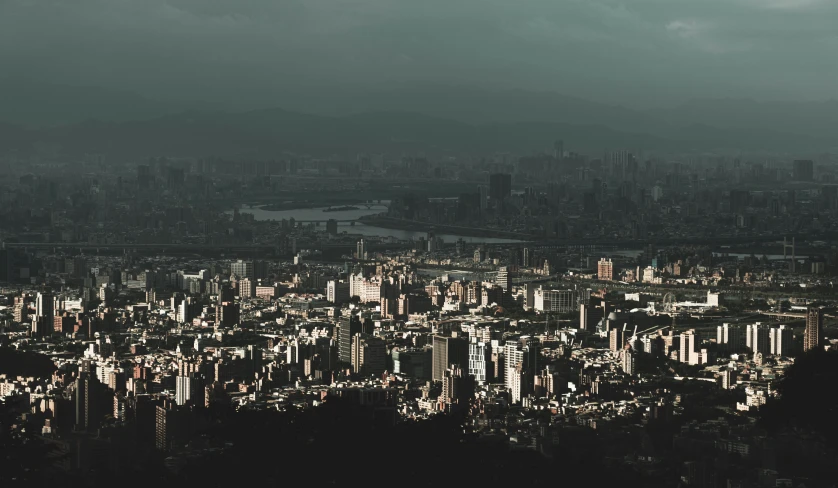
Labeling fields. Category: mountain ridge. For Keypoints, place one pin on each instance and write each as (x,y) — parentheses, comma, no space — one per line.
(268,132)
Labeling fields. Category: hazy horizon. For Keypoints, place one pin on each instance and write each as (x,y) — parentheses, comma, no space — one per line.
(255,53)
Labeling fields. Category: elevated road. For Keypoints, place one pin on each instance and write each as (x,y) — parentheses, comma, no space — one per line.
(605,243)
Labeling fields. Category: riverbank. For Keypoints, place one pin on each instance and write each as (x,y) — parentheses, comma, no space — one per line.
(384,222)
(304,205)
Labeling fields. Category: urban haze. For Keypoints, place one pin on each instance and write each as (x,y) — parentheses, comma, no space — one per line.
(345,242)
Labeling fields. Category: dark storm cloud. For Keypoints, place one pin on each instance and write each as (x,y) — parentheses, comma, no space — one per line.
(632,51)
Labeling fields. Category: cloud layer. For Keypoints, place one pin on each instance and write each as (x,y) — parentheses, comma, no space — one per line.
(638,52)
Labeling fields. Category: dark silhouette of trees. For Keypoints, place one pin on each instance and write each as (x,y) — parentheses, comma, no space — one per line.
(15,363)
(803,421)
(808,400)
(341,442)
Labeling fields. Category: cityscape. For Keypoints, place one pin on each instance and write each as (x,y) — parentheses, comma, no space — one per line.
(635,310)
(340,243)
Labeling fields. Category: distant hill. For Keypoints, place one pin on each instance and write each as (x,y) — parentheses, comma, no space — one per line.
(400,117)
(473,105)
(817,119)
(267,133)
(34,104)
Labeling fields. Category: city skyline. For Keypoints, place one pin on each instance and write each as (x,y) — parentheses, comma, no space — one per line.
(471,243)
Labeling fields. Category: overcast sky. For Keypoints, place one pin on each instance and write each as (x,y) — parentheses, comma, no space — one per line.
(635,52)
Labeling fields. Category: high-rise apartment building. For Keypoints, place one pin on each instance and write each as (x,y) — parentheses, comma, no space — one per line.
(415,363)
(90,400)
(169,425)
(247,288)
(757,338)
(479,357)
(369,355)
(687,347)
(780,341)
(186,389)
(728,377)
(243,269)
(457,386)
(605,269)
(44,314)
(521,358)
(814,329)
(616,339)
(502,278)
(227,314)
(590,315)
(730,337)
(337,292)
(556,301)
(629,362)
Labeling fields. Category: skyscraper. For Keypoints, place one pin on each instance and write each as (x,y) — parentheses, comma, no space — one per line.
(558,150)
(44,314)
(479,358)
(814,329)
(483,197)
(448,351)
(521,359)
(332,226)
(186,389)
(346,329)
(90,401)
(361,250)
(500,186)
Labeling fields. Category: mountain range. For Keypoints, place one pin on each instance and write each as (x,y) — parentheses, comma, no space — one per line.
(79,120)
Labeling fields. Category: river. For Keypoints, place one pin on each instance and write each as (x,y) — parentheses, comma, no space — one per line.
(359,228)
